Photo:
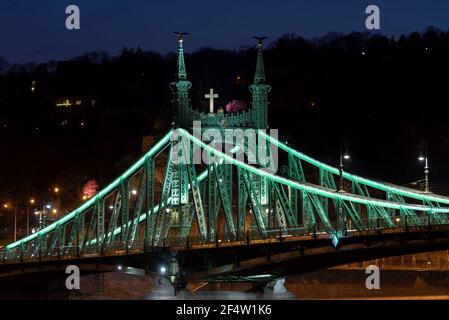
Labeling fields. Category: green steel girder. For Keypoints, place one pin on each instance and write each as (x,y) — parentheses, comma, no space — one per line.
(308,216)
(376,208)
(225,198)
(322,213)
(354,215)
(185,220)
(379,212)
(327,179)
(184,185)
(264,192)
(249,139)
(384,186)
(100,220)
(295,168)
(410,215)
(242,199)
(161,213)
(80,229)
(295,171)
(44,243)
(284,204)
(137,209)
(357,206)
(213,205)
(150,214)
(124,190)
(91,229)
(55,238)
(197,201)
(175,194)
(196,193)
(228,174)
(170,220)
(441,218)
(280,215)
(109,237)
(62,238)
(73,232)
(307,187)
(272,213)
(255,204)
(37,245)
(23,250)
(190,212)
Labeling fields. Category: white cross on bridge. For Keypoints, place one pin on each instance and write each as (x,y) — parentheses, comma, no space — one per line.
(211,96)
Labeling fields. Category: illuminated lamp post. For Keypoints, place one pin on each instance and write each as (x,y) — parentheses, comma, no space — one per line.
(344,155)
(423,158)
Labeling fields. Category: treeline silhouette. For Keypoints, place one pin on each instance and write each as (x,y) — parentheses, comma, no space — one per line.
(385,96)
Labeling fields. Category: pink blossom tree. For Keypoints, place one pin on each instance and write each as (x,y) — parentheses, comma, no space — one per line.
(90,188)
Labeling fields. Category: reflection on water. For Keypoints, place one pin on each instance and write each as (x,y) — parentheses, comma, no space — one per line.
(217,295)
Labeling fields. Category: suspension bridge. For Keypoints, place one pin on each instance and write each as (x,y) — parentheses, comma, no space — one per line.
(228,219)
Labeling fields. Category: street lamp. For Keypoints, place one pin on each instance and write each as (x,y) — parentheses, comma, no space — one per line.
(344,155)
(32,202)
(7,206)
(163,270)
(423,158)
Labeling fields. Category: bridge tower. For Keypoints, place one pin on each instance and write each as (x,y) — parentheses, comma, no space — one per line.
(184,114)
(259,90)
(181,86)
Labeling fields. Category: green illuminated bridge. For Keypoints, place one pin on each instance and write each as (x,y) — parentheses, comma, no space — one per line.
(246,219)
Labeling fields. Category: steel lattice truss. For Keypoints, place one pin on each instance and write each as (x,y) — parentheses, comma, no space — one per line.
(226,200)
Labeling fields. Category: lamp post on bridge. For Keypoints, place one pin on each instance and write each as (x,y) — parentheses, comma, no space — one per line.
(423,158)
(344,155)
(31,202)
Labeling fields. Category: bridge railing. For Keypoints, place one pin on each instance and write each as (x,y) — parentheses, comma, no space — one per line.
(219,240)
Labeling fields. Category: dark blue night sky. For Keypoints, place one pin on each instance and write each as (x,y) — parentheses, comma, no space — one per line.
(34,30)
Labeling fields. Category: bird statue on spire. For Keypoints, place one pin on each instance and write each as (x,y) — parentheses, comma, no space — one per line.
(181,35)
(260,40)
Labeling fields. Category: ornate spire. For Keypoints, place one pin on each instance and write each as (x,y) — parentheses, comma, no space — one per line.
(182,72)
(259,90)
(259,77)
(181,86)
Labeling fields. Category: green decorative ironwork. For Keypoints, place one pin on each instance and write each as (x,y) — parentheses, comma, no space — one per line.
(180,88)
(150,213)
(259,90)
(256,117)
(285,202)
(225,198)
